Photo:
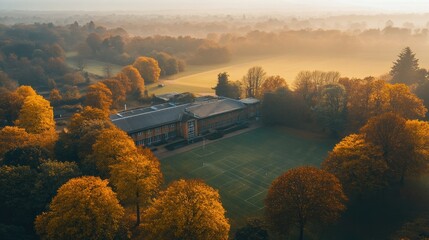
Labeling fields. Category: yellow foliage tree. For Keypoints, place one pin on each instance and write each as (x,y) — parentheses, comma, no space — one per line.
(84,208)
(137,179)
(25,91)
(13,137)
(358,164)
(118,91)
(36,115)
(368,98)
(99,96)
(111,146)
(126,82)
(187,209)
(148,68)
(136,79)
(304,195)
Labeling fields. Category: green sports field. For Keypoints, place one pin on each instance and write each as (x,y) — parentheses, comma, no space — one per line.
(242,167)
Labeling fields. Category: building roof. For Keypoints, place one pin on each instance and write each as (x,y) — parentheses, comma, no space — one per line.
(214,107)
(137,120)
(249,100)
(148,118)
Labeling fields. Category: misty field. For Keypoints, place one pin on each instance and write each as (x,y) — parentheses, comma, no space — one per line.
(92,66)
(242,167)
(201,79)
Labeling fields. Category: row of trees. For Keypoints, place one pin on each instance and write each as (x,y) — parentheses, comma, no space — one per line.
(118,175)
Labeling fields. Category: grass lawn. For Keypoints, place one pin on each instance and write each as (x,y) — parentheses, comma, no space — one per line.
(242,167)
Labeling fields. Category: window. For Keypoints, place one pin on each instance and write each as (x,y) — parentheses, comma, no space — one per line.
(139,133)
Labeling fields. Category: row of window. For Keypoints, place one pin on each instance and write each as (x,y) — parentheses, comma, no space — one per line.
(158,138)
(156,131)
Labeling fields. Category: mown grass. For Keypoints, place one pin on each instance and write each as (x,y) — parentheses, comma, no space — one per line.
(242,167)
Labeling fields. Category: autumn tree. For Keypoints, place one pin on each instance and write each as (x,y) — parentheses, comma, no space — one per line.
(75,143)
(406,68)
(187,209)
(137,179)
(148,68)
(403,144)
(111,146)
(302,196)
(358,164)
(99,96)
(55,96)
(369,97)
(13,137)
(36,115)
(253,81)
(118,91)
(84,208)
(136,80)
(272,83)
(126,81)
(11,102)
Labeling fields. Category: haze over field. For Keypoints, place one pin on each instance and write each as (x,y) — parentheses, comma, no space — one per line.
(303,6)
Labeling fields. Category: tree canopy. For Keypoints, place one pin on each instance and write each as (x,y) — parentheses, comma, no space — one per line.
(187,209)
(301,196)
(80,203)
(148,68)
(137,179)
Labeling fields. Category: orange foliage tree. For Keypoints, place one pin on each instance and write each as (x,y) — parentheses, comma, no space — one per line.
(13,137)
(358,164)
(99,96)
(148,68)
(84,208)
(187,209)
(137,81)
(301,196)
(137,179)
(111,146)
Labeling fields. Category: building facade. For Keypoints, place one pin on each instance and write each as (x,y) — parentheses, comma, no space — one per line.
(163,122)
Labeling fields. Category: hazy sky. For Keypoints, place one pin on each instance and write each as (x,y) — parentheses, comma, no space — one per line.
(332,6)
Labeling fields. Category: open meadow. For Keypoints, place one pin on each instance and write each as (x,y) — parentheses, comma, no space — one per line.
(242,167)
(201,79)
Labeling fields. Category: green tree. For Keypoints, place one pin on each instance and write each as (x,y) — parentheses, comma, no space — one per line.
(255,229)
(84,208)
(30,156)
(137,179)
(187,209)
(331,107)
(406,68)
(16,195)
(301,196)
(225,88)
